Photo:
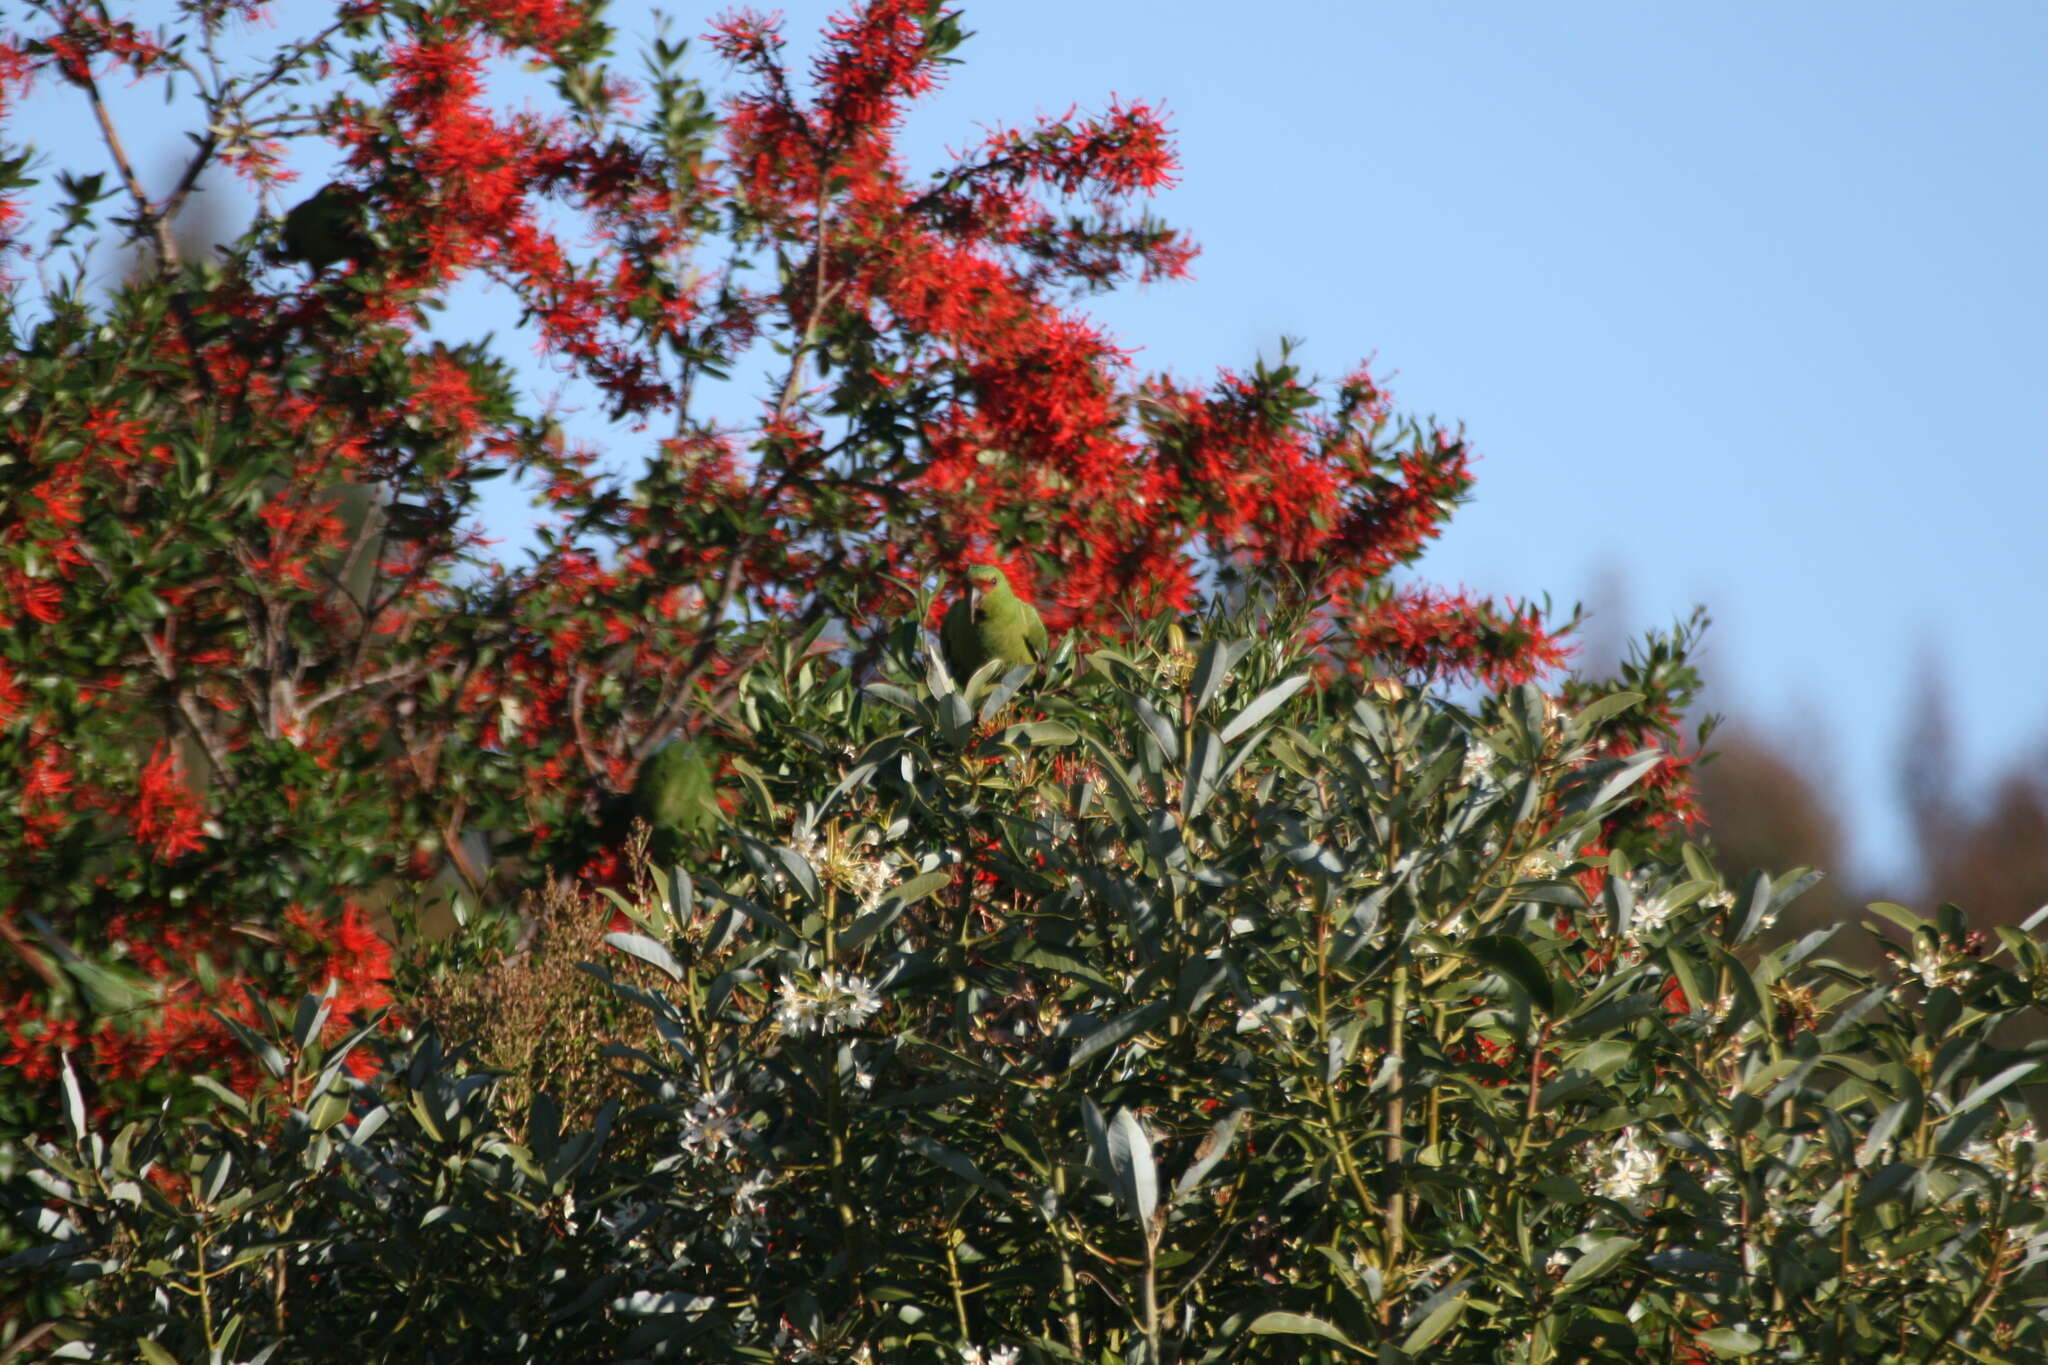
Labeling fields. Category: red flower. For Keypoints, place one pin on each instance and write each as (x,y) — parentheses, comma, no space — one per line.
(165,816)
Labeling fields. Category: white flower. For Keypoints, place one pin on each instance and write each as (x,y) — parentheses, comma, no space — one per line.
(994,1355)
(797,1011)
(835,1002)
(1623,1172)
(1929,965)
(839,862)
(1478,769)
(849,1000)
(712,1125)
(746,1196)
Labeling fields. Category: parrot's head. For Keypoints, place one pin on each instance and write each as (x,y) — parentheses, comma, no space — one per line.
(983,579)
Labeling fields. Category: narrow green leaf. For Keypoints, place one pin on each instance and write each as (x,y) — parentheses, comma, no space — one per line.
(1131,1150)
(1213,1149)
(1630,771)
(1598,710)
(1214,665)
(1119,1029)
(1513,959)
(1598,1260)
(1049,734)
(74,1100)
(648,951)
(1161,729)
(957,1162)
(1881,1131)
(1263,705)
(1984,1090)
(1729,1343)
(1301,1325)
(1434,1319)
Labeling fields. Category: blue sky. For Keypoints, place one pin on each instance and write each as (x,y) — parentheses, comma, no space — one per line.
(1742,305)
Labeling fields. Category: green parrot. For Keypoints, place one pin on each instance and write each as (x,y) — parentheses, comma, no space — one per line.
(989,621)
(675,796)
(327,228)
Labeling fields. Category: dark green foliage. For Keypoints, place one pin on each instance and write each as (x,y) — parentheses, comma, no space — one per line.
(1224,1018)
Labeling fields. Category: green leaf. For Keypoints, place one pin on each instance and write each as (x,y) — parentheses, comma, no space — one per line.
(1214,665)
(892,904)
(957,1162)
(1049,734)
(648,951)
(1899,915)
(1629,771)
(1598,710)
(1263,705)
(1881,1131)
(1435,1317)
(1301,1325)
(1160,728)
(1984,1090)
(1598,1260)
(1119,1029)
(1728,1343)
(74,1100)
(1131,1150)
(311,1017)
(1214,1147)
(1513,959)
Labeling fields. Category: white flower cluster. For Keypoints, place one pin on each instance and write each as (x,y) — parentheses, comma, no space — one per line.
(836,1001)
(1651,912)
(841,864)
(1930,964)
(713,1125)
(749,1221)
(994,1355)
(1479,771)
(1624,1171)
(792,1345)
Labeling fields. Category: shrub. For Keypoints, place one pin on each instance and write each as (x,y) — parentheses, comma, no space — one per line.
(1174,1003)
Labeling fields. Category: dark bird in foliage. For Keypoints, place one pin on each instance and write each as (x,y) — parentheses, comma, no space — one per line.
(327,229)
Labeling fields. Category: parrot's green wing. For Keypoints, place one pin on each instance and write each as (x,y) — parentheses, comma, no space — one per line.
(962,641)
(1034,630)
(1007,627)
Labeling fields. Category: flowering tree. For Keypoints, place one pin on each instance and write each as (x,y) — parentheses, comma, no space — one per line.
(258,671)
